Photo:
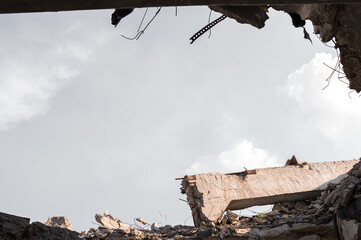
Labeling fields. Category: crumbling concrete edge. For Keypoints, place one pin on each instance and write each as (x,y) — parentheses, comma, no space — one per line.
(338,23)
(209,207)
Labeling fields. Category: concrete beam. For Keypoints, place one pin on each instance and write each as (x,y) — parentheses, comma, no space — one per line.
(22,6)
(209,195)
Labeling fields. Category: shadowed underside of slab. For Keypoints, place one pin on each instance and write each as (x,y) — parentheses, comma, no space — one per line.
(209,195)
(245,203)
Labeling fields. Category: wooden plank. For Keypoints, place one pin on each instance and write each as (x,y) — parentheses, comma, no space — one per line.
(22,6)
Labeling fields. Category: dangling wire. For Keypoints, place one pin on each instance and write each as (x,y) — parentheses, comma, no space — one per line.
(145,14)
(139,33)
(176,11)
(209,20)
(140,25)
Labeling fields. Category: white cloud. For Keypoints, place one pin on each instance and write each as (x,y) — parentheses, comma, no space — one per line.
(30,78)
(25,89)
(332,110)
(242,154)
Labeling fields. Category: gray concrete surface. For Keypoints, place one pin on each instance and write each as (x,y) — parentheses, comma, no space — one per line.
(209,195)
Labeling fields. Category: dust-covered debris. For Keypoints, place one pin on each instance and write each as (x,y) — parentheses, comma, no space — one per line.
(61,222)
(109,222)
(333,215)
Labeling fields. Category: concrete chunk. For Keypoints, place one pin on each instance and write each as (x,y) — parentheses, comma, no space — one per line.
(110,222)
(209,195)
(12,227)
(61,222)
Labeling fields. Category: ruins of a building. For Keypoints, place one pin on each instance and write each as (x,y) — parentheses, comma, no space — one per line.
(210,195)
(333,20)
(305,207)
(333,215)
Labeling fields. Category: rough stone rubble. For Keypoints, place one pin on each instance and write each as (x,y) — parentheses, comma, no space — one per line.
(339,23)
(337,211)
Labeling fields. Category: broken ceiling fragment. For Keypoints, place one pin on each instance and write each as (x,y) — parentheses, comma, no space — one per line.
(340,23)
(254,15)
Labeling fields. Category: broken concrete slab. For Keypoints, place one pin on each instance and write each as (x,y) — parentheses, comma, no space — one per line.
(209,195)
(110,222)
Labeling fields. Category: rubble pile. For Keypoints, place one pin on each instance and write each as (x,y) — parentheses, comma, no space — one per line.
(348,190)
(282,213)
(168,231)
(257,227)
(335,214)
(322,217)
(210,195)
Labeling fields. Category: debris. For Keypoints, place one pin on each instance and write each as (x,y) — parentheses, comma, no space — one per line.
(119,14)
(338,23)
(154,227)
(209,195)
(142,221)
(61,222)
(12,227)
(292,161)
(39,231)
(314,218)
(297,21)
(350,229)
(204,233)
(254,15)
(306,35)
(231,216)
(110,222)
(300,205)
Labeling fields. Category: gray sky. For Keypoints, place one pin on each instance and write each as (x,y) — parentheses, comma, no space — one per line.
(91,122)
